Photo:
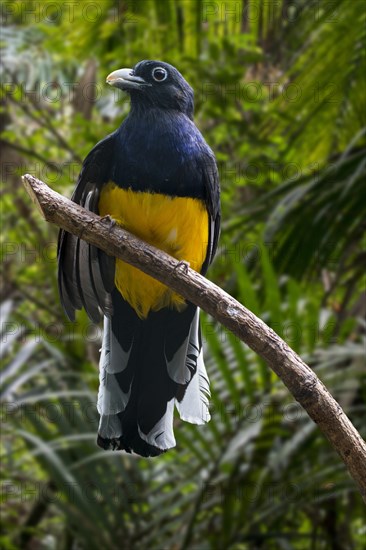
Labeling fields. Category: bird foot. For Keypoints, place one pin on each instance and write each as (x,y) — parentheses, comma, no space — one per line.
(184,265)
(109,219)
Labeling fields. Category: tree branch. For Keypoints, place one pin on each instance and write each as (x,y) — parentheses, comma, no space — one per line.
(301,381)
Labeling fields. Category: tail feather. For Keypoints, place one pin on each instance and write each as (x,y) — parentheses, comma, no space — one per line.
(112,399)
(161,435)
(147,367)
(194,407)
(182,366)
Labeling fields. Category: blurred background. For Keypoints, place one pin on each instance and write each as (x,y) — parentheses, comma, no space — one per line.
(280,97)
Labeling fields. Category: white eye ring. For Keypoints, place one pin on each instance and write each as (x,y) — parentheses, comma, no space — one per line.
(164,75)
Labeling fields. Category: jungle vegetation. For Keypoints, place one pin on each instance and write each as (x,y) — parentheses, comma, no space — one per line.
(280,97)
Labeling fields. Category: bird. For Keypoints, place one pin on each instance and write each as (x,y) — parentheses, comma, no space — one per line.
(156,177)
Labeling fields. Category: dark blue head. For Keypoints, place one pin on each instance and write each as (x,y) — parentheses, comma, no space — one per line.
(155,84)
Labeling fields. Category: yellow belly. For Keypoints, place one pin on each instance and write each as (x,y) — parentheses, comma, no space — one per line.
(177,225)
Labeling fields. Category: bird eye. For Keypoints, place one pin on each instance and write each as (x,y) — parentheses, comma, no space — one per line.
(159,74)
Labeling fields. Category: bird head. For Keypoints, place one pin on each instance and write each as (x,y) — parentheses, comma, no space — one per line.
(154,84)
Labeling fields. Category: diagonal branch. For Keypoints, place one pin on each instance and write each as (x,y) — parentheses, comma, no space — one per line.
(301,381)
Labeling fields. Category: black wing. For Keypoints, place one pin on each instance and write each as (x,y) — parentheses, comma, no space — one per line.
(212,198)
(85,273)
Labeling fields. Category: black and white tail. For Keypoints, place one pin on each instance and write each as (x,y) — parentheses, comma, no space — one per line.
(147,367)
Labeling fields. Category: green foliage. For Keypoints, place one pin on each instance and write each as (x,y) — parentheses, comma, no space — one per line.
(335,238)
(236,467)
(280,97)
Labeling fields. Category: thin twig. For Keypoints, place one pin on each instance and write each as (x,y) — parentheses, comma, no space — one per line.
(24,151)
(43,118)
